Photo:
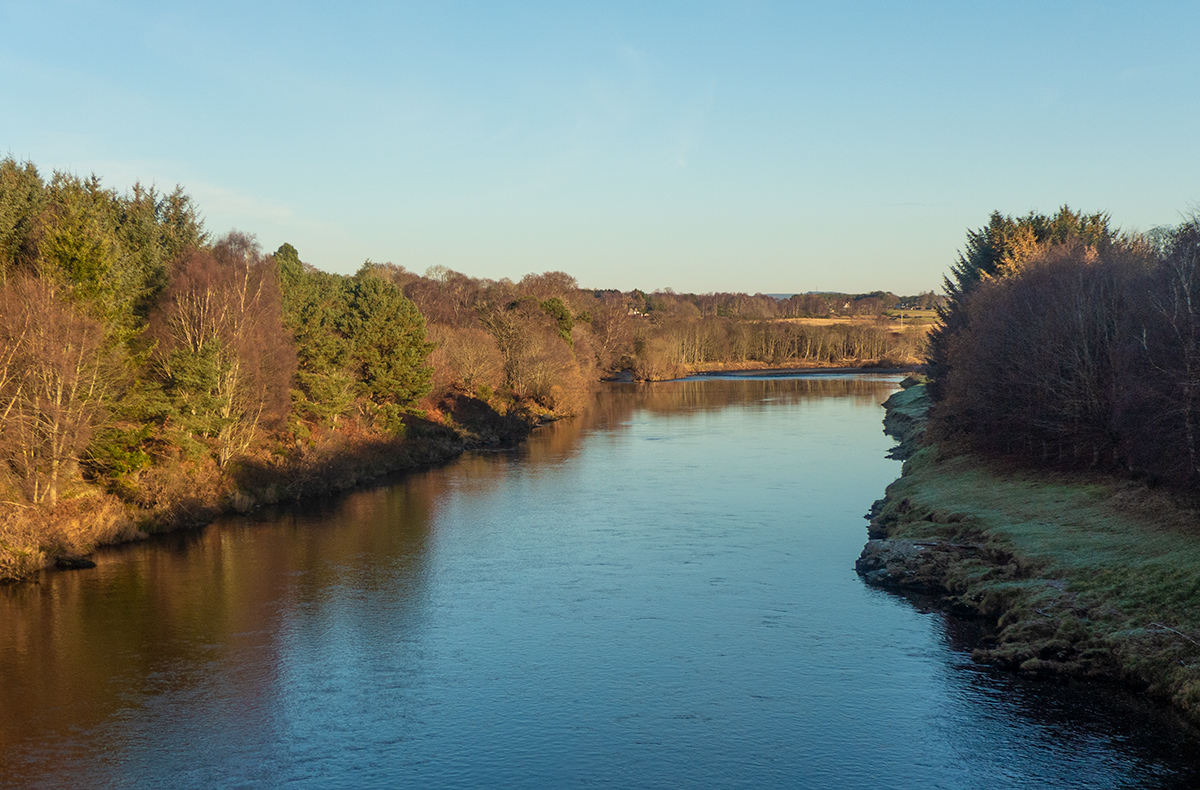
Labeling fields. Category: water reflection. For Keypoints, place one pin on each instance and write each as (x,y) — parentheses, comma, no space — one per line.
(658,593)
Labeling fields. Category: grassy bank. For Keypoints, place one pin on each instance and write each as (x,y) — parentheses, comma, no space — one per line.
(1080,576)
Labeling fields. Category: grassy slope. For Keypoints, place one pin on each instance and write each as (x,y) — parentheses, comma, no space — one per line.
(1083,576)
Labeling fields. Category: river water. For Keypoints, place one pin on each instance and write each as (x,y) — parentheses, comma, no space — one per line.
(657,594)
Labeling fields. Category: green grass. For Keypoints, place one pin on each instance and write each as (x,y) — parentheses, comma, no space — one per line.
(912,403)
(1081,573)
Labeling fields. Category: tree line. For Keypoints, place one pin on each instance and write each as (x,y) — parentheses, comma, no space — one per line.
(500,334)
(1065,342)
(142,361)
(148,366)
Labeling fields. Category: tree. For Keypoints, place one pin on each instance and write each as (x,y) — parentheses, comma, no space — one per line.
(386,337)
(612,331)
(467,357)
(1035,368)
(1169,340)
(314,309)
(53,385)
(22,200)
(558,310)
(1000,248)
(153,230)
(222,352)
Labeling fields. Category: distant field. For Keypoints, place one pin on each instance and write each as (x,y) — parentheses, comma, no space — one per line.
(831,321)
(913,320)
(915,316)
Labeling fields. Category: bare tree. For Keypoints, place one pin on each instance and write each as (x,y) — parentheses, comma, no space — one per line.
(222,347)
(1170,337)
(53,385)
(467,356)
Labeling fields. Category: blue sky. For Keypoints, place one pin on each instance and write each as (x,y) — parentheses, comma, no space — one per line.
(702,146)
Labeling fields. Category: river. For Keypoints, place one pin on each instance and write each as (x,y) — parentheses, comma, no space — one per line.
(659,593)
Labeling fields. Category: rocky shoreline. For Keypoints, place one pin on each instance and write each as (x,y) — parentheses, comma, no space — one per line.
(957,530)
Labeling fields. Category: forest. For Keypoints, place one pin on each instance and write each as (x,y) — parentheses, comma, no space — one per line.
(153,374)
(1065,343)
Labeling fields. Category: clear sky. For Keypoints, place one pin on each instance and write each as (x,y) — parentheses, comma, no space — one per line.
(703,146)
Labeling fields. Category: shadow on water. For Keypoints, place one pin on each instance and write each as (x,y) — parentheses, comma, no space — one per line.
(1156,744)
(155,619)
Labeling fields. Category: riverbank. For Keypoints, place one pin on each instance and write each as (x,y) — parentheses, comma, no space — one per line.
(751,368)
(1076,576)
(179,496)
(832,370)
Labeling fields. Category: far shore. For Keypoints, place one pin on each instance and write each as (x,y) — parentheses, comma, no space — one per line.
(806,371)
(758,370)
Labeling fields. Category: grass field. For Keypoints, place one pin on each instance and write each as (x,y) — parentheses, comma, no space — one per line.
(915,317)
(893,323)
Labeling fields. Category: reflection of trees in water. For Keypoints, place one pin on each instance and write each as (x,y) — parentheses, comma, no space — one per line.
(153,618)
(672,397)
(158,618)
(612,405)
(1086,716)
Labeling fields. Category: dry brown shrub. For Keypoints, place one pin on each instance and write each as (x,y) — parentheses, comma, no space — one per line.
(20,552)
(179,492)
(54,381)
(224,305)
(79,526)
(656,361)
(466,356)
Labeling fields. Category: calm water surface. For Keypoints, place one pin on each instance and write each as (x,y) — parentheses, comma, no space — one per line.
(658,594)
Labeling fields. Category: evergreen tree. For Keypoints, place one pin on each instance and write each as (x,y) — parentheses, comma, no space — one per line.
(998,248)
(314,308)
(386,334)
(22,200)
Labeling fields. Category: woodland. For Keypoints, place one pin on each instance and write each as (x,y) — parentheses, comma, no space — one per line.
(1065,343)
(1050,487)
(153,375)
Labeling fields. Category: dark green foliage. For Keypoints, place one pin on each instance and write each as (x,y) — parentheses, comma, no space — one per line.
(22,200)
(190,380)
(79,245)
(155,229)
(353,335)
(291,273)
(107,255)
(118,452)
(386,336)
(314,308)
(109,251)
(556,309)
